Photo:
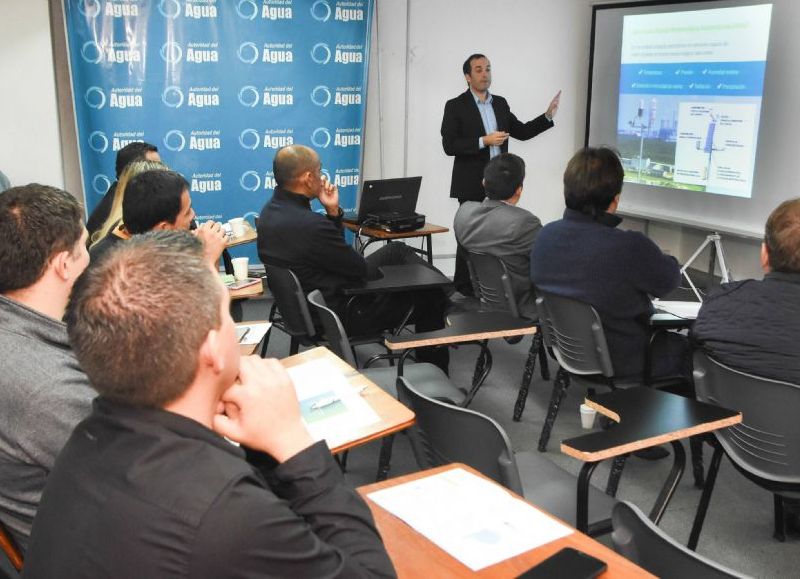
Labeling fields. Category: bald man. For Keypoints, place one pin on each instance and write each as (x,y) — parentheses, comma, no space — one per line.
(312,245)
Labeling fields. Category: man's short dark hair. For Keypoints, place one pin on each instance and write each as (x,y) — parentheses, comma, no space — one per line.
(138,317)
(592,179)
(136,151)
(36,222)
(782,237)
(291,161)
(467,67)
(152,197)
(503,176)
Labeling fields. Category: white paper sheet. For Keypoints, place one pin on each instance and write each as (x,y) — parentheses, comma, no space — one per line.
(255,333)
(331,408)
(474,520)
(685,310)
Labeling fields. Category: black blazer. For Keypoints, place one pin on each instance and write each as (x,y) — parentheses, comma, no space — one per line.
(461,127)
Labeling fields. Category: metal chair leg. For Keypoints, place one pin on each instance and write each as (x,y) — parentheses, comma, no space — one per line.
(696,450)
(544,367)
(705,499)
(527,375)
(294,346)
(560,386)
(614,476)
(483,365)
(385,460)
(780,518)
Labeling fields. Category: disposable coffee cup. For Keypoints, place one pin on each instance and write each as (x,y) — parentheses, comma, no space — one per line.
(237,226)
(587,416)
(240,267)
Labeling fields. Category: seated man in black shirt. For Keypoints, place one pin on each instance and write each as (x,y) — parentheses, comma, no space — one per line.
(754,326)
(148,485)
(312,245)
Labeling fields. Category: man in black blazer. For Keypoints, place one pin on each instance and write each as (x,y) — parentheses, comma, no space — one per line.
(475,127)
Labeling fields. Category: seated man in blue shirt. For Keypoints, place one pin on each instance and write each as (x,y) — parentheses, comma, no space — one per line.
(149,485)
(583,256)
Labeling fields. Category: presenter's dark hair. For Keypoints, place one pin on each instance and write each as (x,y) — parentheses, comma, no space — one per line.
(131,152)
(467,67)
(592,179)
(782,237)
(155,297)
(503,176)
(152,197)
(36,222)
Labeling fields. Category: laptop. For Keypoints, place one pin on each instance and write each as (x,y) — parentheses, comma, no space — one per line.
(381,197)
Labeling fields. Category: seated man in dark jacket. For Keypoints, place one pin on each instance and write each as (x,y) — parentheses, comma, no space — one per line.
(312,245)
(754,326)
(149,485)
(583,256)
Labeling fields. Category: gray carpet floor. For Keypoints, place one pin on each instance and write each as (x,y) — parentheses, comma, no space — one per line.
(738,528)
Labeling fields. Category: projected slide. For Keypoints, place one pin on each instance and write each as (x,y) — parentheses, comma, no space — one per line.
(690,94)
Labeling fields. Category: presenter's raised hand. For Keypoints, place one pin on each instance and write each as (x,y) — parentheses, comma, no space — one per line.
(261,410)
(329,196)
(495,139)
(553,108)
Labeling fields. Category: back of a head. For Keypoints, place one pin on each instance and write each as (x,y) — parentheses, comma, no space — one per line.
(503,176)
(36,222)
(138,318)
(592,179)
(136,151)
(782,237)
(152,197)
(291,161)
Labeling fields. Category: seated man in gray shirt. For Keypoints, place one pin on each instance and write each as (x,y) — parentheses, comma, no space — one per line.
(149,485)
(499,227)
(43,391)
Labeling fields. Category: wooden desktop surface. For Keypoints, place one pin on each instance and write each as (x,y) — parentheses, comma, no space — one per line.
(427,229)
(394,417)
(646,417)
(250,291)
(415,556)
(248,237)
(466,327)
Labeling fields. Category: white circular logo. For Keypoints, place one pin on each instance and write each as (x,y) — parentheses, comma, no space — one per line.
(247,9)
(248,96)
(321,137)
(321,10)
(174,140)
(91,52)
(321,96)
(248,52)
(252,214)
(171,52)
(169,8)
(95,97)
(98,142)
(321,53)
(172,97)
(100,184)
(250,181)
(250,139)
(90,8)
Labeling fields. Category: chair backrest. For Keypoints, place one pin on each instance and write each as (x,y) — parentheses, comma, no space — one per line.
(638,539)
(491,282)
(767,441)
(291,301)
(332,327)
(11,559)
(573,330)
(447,433)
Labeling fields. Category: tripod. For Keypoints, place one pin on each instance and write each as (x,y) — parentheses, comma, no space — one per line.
(717,253)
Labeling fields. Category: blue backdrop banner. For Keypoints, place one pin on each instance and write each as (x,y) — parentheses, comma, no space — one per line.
(219,86)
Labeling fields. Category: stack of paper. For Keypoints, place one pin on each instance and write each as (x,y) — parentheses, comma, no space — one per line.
(685,310)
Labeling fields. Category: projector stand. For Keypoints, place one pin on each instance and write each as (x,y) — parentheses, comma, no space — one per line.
(715,254)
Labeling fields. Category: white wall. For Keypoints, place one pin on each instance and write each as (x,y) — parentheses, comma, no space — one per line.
(29,138)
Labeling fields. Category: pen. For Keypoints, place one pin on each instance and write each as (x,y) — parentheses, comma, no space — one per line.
(324,402)
(244,334)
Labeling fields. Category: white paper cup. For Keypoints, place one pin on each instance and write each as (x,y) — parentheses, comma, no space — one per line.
(240,267)
(587,416)
(237,226)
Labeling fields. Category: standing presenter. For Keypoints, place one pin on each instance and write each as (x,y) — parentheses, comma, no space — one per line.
(476,127)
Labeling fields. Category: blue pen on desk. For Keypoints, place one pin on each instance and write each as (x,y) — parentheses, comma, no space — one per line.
(324,402)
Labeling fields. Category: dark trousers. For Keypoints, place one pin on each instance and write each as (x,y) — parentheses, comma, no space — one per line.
(382,312)
(461,277)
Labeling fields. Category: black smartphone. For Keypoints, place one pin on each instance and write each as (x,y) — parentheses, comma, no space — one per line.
(567,562)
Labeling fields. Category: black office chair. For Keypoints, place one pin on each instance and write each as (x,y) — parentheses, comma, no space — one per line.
(492,286)
(638,539)
(289,312)
(765,447)
(11,560)
(447,433)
